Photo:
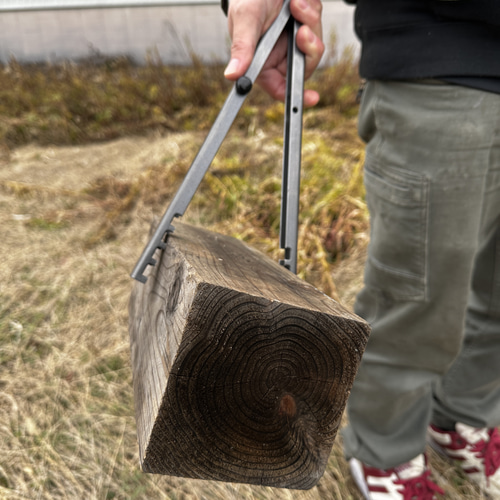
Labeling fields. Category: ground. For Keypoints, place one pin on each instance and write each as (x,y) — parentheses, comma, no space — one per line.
(72,229)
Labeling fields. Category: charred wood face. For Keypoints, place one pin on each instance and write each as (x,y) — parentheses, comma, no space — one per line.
(233,385)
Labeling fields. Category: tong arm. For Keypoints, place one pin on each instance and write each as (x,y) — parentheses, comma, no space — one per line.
(292,146)
(212,143)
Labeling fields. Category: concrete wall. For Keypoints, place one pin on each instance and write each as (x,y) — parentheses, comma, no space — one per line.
(169,30)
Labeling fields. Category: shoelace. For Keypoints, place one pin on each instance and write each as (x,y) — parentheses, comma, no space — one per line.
(419,488)
(490,452)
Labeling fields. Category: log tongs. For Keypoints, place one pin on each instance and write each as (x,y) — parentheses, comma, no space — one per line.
(291,153)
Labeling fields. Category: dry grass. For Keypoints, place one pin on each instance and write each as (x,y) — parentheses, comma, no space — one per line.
(101,99)
(67,428)
(74,221)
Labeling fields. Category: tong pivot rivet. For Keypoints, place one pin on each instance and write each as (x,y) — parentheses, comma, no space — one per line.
(243,85)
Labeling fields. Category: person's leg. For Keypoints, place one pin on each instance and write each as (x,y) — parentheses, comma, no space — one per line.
(470,391)
(467,398)
(428,152)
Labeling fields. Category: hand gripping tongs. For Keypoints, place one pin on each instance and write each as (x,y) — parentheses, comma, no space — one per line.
(291,153)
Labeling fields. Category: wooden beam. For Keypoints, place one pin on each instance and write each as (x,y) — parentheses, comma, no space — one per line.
(241,370)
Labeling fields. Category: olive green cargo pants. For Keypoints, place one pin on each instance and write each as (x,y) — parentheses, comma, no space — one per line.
(432,277)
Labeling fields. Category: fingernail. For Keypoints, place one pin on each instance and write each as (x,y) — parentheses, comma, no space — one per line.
(303,4)
(232,67)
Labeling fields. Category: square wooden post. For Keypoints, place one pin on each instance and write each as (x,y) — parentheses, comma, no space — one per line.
(241,370)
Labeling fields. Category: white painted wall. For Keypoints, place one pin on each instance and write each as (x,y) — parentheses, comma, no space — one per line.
(29,32)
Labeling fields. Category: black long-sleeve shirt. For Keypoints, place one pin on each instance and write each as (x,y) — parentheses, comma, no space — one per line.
(453,40)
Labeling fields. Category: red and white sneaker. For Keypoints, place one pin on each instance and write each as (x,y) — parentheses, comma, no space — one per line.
(476,450)
(405,482)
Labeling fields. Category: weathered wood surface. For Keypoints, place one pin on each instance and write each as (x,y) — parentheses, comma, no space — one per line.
(241,369)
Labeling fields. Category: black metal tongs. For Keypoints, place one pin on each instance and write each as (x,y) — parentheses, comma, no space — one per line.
(291,152)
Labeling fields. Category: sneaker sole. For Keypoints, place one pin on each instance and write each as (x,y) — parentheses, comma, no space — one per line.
(455,463)
(359,478)
(437,448)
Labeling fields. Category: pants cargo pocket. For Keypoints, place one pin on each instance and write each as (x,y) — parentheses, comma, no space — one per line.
(397,255)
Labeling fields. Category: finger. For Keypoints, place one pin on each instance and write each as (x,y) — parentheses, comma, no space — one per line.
(311,98)
(275,86)
(248,20)
(312,46)
(273,81)
(308,12)
(245,25)
(310,35)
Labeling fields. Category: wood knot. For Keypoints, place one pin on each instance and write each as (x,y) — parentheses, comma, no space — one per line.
(175,293)
(288,407)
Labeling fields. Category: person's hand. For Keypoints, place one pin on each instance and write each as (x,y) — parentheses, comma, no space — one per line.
(249,19)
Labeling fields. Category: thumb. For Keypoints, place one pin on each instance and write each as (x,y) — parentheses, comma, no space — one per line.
(246,24)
